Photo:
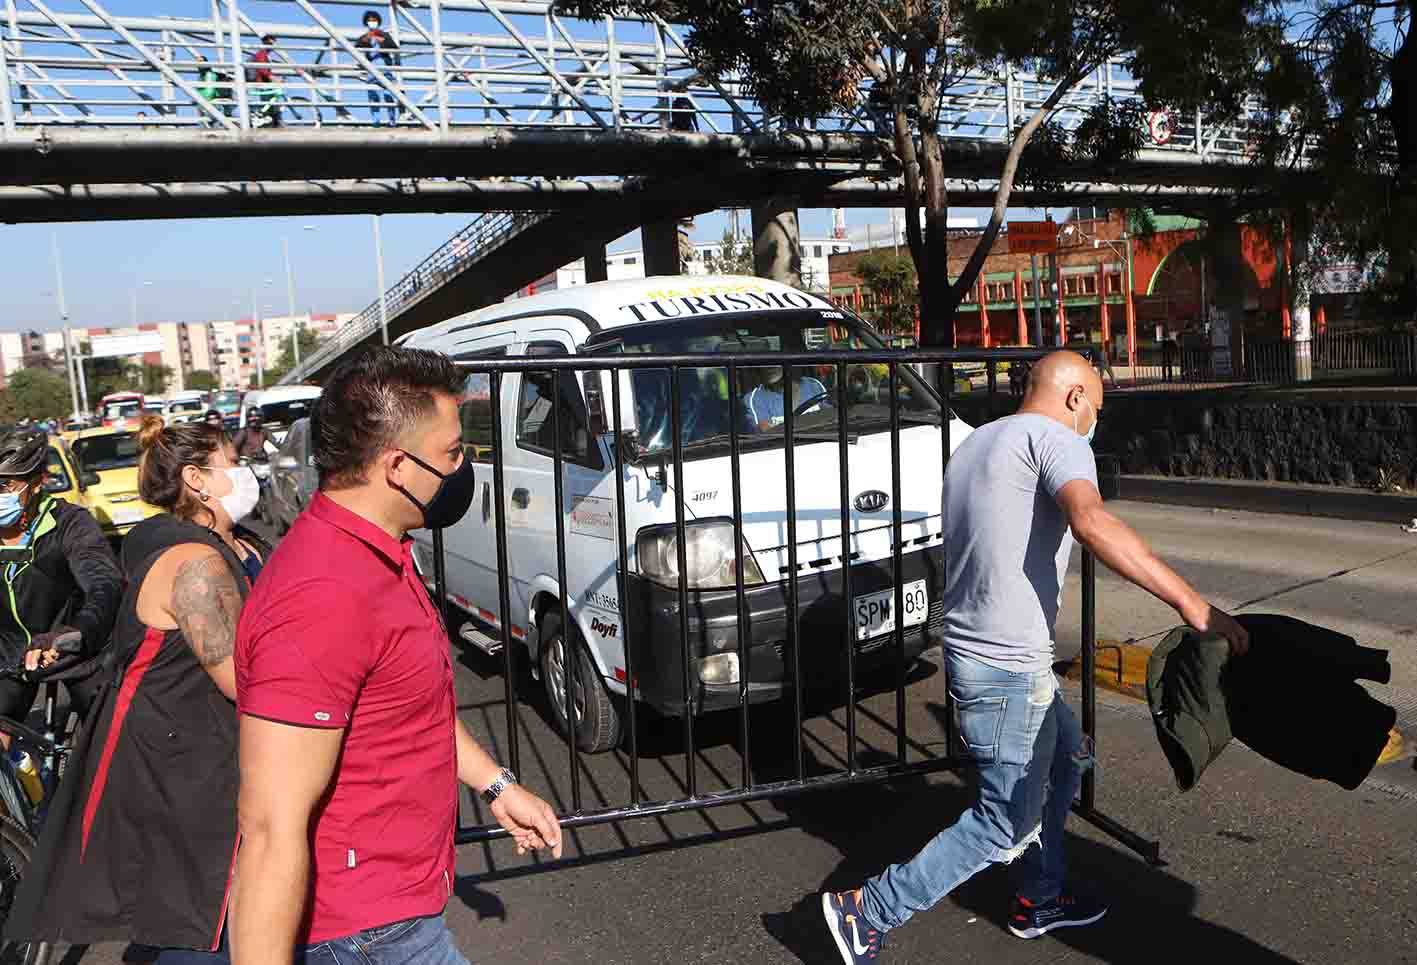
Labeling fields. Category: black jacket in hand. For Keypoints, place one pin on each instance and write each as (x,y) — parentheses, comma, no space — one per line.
(67,574)
(1293,698)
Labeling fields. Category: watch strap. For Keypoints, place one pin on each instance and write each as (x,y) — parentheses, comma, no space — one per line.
(505,779)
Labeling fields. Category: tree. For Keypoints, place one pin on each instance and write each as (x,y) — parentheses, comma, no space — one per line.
(201,380)
(152,379)
(1337,141)
(804,60)
(890,277)
(35,394)
(734,257)
(310,342)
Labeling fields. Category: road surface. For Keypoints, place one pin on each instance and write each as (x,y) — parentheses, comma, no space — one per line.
(1265,866)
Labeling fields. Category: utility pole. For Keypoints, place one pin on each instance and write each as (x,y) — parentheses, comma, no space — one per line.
(379,269)
(69,348)
(290,295)
(260,339)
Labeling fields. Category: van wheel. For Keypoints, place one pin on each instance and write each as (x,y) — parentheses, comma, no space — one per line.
(597,720)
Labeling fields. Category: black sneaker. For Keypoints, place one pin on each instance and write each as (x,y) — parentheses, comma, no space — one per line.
(857,941)
(1028,920)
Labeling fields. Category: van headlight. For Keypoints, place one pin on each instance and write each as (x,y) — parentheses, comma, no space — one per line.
(708,554)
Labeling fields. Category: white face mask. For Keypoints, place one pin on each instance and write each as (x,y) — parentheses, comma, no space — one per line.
(245,493)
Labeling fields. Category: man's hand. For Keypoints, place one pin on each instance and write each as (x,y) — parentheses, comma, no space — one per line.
(1209,619)
(45,648)
(34,659)
(530,820)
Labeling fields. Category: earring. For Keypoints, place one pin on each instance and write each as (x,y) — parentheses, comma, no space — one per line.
(203,495)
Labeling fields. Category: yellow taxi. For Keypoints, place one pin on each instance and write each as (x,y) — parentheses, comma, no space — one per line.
(103,467)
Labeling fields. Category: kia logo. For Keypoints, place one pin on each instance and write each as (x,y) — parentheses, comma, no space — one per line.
(872,501)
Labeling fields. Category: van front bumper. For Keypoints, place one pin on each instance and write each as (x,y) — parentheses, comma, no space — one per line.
(653,634)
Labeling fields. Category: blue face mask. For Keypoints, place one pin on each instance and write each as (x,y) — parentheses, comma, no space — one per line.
(1092,429)
(12,507)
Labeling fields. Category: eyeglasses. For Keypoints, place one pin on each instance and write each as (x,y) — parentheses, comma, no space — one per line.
(12,485)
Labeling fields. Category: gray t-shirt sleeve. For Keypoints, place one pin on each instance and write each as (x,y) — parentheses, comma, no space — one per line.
(1063,456)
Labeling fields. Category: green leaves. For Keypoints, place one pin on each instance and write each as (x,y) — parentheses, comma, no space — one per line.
(35,393)
(891,280)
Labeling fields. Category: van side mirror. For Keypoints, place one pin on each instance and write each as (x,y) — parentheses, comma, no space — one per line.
(88,478)
(595,404)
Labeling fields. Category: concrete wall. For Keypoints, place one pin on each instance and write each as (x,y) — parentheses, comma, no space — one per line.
(1285,437)
(1293,440)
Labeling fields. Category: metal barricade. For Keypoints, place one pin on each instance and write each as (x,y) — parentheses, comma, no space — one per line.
(747,789)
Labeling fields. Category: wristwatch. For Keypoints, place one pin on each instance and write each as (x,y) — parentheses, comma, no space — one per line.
(504,780)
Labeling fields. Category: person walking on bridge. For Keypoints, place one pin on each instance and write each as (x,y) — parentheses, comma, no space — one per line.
(379,47)
(1017,492)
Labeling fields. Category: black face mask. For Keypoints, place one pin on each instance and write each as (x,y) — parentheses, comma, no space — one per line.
(450,503)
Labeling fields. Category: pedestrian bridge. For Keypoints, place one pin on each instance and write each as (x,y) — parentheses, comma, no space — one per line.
(237,94)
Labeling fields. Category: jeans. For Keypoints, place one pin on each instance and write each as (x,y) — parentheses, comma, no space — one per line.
(190,956)
(426,941)
(379,96)
(1028,748)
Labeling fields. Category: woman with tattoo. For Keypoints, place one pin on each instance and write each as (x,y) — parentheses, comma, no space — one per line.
(142,836)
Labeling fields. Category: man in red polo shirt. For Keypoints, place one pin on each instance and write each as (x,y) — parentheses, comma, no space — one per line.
(345,691)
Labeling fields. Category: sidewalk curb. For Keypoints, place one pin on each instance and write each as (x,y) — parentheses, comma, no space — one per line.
(1265,497)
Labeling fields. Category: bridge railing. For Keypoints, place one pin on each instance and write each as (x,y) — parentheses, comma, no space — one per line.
(458,63)
(463,249)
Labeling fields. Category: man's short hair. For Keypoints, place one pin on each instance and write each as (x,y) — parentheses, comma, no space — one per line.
(372,403)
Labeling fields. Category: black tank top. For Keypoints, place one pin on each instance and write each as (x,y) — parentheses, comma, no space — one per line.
(142,839)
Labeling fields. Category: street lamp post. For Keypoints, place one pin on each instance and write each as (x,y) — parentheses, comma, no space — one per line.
(70,350)
(379,270)
(146,284)
(290,293)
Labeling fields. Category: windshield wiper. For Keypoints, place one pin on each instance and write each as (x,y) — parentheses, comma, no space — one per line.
(819,435)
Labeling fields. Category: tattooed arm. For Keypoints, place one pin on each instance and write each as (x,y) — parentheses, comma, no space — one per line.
(191,588)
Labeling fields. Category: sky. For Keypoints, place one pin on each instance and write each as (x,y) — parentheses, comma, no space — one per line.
(206,269)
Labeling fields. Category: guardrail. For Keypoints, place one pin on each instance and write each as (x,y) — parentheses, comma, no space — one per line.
(772,659)
(453,257)
(1334,354)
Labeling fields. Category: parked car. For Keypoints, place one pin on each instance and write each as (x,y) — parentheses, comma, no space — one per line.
(700,315)
(293,478)
(106,462)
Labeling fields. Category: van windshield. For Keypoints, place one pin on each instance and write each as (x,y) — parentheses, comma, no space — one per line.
(705,399)
(284,413)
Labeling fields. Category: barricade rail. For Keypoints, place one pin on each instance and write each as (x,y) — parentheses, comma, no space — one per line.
(938,362)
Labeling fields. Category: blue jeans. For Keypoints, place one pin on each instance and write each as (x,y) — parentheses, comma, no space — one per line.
(1028,748)
(426,941)
(378,96)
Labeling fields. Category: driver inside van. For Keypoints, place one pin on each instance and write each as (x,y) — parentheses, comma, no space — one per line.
(764,408)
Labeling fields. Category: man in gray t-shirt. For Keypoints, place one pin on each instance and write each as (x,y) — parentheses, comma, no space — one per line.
(1007,542)
(1017,491)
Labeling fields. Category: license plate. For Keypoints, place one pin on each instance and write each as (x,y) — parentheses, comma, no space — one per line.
(122,517)
(876,615)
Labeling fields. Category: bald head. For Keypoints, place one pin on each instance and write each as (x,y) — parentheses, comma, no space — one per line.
(1063,386)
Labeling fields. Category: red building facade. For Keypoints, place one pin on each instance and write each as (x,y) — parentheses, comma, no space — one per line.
(1100,287)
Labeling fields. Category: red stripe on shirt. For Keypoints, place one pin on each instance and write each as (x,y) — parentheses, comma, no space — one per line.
(147,650)
(226,896)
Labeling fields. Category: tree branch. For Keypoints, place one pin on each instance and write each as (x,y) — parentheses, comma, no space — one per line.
(1006,180)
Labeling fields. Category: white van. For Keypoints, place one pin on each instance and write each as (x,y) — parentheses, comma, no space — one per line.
(280,407)
(185,407)
(713,314)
